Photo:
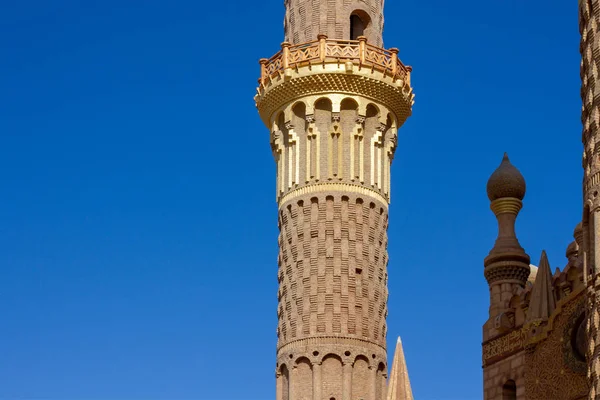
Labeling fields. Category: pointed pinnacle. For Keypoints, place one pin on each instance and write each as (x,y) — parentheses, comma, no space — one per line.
(543,302)
(399,383)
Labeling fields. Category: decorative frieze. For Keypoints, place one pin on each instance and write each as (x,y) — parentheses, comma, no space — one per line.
(503,346)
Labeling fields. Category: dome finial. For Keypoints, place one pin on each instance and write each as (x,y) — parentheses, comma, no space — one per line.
(506,181)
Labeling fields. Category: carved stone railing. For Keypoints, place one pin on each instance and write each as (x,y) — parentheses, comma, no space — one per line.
(325,50)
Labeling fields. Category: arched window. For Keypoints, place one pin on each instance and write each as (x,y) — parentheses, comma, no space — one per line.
(509,390)
(357,27)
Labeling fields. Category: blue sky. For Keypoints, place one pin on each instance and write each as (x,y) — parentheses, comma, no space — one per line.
(138,231)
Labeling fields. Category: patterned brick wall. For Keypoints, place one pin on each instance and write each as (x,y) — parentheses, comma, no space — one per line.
(305,19)
(332,268)
(333,294)
(589,21)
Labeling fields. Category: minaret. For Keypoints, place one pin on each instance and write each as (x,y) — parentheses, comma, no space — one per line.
(333,100)
(506,271)
(507,265)
(589,22)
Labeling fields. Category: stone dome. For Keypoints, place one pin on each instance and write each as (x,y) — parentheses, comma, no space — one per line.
(506,181)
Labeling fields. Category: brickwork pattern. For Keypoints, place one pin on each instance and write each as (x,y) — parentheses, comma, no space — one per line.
(589,21)
(332,268)
(495,377)
(305,19)
(548,376)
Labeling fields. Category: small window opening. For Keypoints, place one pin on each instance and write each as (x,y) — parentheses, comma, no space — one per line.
(509,390)
(357,27)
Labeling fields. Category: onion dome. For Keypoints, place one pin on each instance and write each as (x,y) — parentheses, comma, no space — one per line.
(506,181)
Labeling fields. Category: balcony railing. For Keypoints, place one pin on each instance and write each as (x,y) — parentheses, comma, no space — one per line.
(325,50)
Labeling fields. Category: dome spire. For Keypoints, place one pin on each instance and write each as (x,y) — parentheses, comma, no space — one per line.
(506,181)
(507,262)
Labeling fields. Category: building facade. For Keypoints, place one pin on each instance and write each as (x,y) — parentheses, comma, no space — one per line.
(542,337)
(333,100)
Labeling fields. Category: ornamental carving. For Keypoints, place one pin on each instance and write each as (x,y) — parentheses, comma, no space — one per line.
(552,369)
(575,340)
(501,347)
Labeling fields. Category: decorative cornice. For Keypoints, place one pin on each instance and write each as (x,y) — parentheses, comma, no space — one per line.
(515,271)
(327,341)
(334,79)
(509,205)
(333,187)
(528,335)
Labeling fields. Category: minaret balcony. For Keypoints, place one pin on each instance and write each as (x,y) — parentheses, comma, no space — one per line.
(334,66)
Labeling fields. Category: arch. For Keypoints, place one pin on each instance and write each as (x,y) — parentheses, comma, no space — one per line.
(372,110)
(389,121)
(323,103)
(348,103)
(279,118)
(509,390)
(361,378)
(579,338)
(281,123)
(380,384)
(283,383)
(298,109)
(359,24)
(331,373)
(298,145)
(302,383)
(299,103)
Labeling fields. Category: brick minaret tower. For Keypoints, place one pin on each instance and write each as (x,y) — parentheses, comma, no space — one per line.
(333,100)
(589,20)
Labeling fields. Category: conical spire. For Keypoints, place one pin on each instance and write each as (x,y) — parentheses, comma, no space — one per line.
(399,384)
(542,303)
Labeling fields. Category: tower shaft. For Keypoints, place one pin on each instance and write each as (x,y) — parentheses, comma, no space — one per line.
(333,108)
(589,20)
(338,19)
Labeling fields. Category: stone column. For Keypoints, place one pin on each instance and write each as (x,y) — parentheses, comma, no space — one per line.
(347,383)
(278,387)
(293,379)
(596,239)
(373,382)
(317,383)
(383,384)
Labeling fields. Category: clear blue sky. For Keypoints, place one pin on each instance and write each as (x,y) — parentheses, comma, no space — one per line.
(138,231)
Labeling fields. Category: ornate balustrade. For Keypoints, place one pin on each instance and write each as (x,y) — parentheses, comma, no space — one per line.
(325,50)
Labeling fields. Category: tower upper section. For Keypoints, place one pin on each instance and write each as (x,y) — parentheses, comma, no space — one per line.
(338,19)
